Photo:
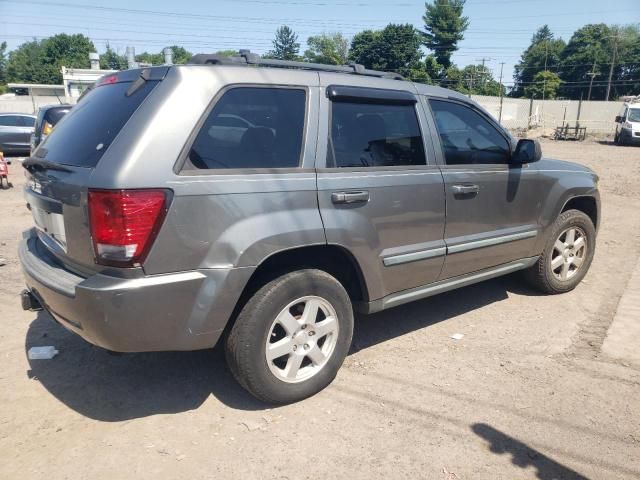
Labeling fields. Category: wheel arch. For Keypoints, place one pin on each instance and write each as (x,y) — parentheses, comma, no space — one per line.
(587,204)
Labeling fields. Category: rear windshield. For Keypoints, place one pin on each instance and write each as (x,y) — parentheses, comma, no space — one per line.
(92,125)
(54,115)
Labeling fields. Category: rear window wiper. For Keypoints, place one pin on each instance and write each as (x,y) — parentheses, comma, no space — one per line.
(33,164)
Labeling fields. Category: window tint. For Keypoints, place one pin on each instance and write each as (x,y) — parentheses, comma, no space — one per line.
(93,124)
(467,137)
(10,121)
(374,135)
(252,128)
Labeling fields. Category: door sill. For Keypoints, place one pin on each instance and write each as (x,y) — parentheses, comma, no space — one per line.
(425,291)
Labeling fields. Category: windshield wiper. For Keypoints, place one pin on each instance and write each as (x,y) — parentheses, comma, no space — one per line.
(33,164)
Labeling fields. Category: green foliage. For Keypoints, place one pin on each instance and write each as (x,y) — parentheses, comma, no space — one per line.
(3,63)
(41,61)
(180,55)
(331,49)
(590,45)
(110,60)
(396,48)
(544,50)
(444,27)
(285,45)
(545,85)
(150,58)
(227,53)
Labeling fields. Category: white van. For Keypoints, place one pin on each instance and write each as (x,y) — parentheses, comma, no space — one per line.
(628,124)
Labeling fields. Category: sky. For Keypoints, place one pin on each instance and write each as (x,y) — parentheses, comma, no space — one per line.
(499,30)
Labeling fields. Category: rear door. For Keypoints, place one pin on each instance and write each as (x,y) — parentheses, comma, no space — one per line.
(380,192)
(492,205)
(62,166)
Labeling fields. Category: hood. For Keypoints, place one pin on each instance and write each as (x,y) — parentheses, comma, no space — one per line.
(563,165)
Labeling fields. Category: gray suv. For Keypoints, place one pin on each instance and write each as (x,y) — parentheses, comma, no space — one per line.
(263,202)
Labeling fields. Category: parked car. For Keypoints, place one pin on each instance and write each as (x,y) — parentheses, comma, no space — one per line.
(628,124)
(15,132)
(349,190)
(47,118)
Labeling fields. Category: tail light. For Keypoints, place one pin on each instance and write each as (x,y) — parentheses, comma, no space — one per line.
(124,224)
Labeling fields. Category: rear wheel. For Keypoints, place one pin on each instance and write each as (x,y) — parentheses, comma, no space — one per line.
(291,337)
(567,255)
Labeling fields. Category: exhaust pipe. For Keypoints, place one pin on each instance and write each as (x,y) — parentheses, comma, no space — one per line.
(29,301)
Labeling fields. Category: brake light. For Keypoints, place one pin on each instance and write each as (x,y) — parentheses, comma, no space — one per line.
(107,80)
(124,224)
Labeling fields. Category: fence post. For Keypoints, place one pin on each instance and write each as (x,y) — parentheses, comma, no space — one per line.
(530,113)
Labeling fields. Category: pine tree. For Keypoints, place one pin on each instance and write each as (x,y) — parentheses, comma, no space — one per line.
(444,27)
(285,45)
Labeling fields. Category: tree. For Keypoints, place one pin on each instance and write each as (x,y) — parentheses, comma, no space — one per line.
(227,53)
(150,58)
(589,48)
(545,85)
(396,48)
(444,27)
(544,52)
(332,49)
(41,61)
(180,55)
(110,60)
(285,45)
(3,63)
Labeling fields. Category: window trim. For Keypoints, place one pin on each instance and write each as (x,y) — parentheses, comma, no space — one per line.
(179,167)
(473,108)
(376,101)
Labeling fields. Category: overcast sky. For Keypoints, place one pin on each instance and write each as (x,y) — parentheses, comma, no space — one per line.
(499,29)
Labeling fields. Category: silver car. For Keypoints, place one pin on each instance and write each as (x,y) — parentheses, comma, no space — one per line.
(337,189)
(15,133)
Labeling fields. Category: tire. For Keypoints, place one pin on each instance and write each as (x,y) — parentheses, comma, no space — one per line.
(276,314)
(573,262)
(5,183)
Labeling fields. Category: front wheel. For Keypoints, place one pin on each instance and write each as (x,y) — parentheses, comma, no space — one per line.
(567,255)
(291,337)
(5,183)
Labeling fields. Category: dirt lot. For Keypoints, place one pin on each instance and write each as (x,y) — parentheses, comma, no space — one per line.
(525,394)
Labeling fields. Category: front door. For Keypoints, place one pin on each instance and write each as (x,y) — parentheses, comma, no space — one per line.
(380,192)
(492,206)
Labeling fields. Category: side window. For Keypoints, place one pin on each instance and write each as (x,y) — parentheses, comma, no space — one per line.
(467,137)
(374,135)
(10,121)
(27,121)
(252,127)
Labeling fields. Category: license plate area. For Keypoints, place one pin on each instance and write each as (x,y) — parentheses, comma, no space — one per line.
(50,228)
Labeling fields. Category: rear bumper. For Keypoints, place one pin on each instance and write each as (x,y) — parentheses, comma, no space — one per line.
(179,311)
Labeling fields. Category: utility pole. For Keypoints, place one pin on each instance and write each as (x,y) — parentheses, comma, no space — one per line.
(501,95)
(592,74)
(470,81)
(613,61)
(483,74)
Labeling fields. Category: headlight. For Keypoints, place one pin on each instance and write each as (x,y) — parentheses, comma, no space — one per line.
(627,125)
(46,130)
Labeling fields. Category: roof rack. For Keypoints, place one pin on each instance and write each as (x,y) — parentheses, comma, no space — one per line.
(245,58)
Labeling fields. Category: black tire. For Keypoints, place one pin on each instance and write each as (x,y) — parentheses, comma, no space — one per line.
(5,183)
(246,343)
(541,275)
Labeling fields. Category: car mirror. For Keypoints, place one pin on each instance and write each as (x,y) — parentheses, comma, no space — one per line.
(527,151)
(618,119)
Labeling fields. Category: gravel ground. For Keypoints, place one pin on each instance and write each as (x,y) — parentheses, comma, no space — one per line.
(525,394)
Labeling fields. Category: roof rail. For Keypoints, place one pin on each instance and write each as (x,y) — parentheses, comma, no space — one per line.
(245,58)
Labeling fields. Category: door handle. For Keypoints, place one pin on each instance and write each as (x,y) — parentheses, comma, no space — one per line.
(465,189)
(349,197)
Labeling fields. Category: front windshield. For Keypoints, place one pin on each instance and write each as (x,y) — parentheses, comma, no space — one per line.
(634,115)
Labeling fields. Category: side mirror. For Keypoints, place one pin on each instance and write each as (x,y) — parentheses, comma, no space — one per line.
(618,119)
(527,151)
